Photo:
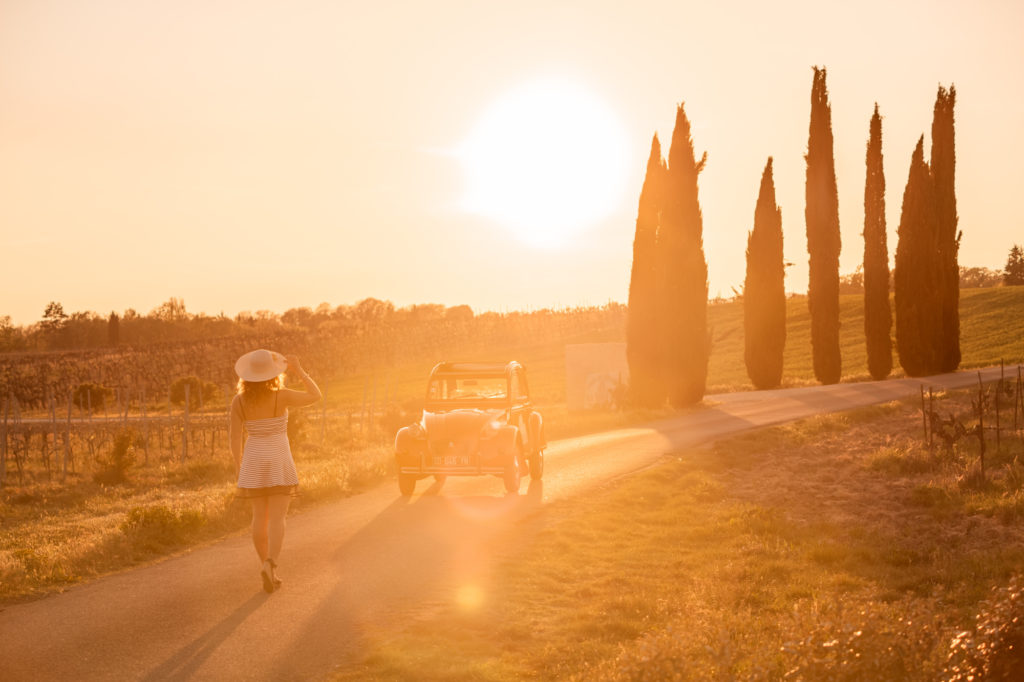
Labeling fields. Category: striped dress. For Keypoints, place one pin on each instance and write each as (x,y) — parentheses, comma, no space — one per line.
(267,464)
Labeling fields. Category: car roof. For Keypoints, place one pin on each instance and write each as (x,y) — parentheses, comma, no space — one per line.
(475,368)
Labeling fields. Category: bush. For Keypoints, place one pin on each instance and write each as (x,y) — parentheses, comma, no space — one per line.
(876,642)
(297,432)
(91,395)
(397,416)
(199,392)
(995,649)
(1014,479)
(158,527)
(121,458)
(198,472)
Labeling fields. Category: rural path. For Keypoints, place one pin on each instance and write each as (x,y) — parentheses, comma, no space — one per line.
(355,567)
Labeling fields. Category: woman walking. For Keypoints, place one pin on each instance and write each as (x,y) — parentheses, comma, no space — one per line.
(265,468)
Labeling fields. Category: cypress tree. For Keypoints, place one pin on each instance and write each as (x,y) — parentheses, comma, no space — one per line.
(877,312)
(642,339)
(823,241)
(943,168)
(685,289)
(917,277)
(764,290)
(1013,273)
(113,329)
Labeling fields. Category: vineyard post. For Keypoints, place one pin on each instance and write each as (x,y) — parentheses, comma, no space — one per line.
(89,436)
(981,423)
(184,430)
(924,419)
(373,403)
(931,411)
(127,404)
(53,427)
(170,426)
(3,446)
(362,413)
(999,390)
(145,427)
(67,438)
(1017,395)
(23,450)
(323,414)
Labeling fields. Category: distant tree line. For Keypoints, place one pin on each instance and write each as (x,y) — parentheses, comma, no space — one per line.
(372,338)
(970,278)
(667,344)
(170,322)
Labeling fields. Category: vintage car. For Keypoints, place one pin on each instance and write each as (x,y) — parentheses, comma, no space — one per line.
(477,419)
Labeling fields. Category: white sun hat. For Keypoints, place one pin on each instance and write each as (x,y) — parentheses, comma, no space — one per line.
(260,365)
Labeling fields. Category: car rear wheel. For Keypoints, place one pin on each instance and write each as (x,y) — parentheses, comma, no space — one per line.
(537,465)
(512,475)
(406,484)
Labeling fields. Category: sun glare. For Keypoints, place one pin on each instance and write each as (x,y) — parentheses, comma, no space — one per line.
(545,160)
(469,597)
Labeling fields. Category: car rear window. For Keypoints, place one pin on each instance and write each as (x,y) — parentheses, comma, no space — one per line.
(468,388)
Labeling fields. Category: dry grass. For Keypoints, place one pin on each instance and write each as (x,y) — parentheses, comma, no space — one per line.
(803,550)
(54,534)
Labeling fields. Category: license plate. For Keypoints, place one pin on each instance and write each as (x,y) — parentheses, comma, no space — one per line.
(451,461)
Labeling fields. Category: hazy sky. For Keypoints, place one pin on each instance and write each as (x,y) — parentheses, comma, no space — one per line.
(265,155)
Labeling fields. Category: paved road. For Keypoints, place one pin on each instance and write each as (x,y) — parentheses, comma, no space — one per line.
(355,566)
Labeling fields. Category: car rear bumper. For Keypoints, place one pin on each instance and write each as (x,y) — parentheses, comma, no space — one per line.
(452,471)
(452,464)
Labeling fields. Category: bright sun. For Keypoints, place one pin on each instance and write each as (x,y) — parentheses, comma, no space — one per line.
(546,160)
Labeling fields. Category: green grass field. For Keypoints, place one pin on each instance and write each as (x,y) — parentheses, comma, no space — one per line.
(991,324)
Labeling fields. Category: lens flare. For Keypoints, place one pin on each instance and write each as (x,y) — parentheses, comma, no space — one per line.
(469,597)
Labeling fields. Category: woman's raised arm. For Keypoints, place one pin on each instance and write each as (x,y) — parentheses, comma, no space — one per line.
(300,398)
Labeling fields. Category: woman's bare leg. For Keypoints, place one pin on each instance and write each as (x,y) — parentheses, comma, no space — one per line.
(261,526)
(277,510)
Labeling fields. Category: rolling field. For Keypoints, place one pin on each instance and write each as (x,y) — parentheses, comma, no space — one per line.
(60,530)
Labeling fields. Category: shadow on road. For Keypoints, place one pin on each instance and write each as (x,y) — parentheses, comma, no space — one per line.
(183,664)
(421,547)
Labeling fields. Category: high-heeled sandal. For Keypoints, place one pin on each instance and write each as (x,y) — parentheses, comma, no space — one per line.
(273,573)
(267,575)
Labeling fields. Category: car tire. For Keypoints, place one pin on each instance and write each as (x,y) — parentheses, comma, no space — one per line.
(537,465)
(406,484)
(512,475)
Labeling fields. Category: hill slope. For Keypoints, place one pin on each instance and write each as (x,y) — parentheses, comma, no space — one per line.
(991,329)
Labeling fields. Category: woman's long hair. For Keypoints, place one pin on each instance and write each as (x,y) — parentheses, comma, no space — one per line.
(253,392)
